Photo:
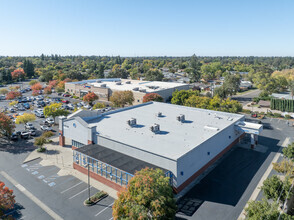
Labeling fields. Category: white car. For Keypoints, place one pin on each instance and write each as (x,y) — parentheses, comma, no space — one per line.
(46,128)
(50,121)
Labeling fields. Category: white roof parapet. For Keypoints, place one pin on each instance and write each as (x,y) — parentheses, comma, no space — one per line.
(248,127)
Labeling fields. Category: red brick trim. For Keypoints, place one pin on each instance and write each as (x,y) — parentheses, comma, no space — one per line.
(61,139)
(195,175)
(96,176)
(73,147)
(90,142)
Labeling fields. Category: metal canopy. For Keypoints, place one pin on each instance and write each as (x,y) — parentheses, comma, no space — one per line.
(248,127)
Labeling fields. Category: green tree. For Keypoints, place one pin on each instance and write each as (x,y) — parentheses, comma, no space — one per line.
(263,210)
(289,151)
(98,105)
(195,66)
(274,188)
(55,110)
(179,97)
(147,196)
(154,75)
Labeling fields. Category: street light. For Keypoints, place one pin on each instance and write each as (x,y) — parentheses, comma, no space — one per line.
(88,165)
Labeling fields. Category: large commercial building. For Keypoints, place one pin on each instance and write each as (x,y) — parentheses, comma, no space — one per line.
(182,141)
(105,87)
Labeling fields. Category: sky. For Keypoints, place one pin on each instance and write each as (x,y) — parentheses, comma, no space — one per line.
(147,27)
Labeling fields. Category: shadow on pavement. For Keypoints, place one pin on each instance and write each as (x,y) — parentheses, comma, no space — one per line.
(15,212)
(16,147)
(227,182)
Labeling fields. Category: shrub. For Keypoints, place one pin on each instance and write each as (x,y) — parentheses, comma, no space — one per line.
(41,149)
(47,134)
(277,115)
(287,117)
(98,105)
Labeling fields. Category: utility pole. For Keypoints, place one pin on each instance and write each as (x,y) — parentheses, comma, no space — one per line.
(89,178)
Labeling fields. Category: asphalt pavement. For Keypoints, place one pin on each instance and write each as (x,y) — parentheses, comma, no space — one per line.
(224,192)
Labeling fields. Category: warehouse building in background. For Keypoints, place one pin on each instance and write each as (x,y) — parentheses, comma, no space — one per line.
(182,141)
(105,87)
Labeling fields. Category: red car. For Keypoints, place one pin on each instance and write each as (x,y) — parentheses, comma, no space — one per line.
(66,95)
(65,101)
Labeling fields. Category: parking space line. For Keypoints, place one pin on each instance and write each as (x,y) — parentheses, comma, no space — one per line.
(104,209)
(79,193)
(31,196)
(71,187)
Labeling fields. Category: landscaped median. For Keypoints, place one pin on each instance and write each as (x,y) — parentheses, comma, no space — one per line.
(95,198)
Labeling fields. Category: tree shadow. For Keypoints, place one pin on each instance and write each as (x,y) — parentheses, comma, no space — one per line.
(227,182)
(16,147)
(15,212)
(52,152)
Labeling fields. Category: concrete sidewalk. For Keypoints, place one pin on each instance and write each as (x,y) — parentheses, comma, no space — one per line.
(63,159)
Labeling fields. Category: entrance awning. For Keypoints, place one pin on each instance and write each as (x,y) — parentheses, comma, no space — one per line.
(249,127)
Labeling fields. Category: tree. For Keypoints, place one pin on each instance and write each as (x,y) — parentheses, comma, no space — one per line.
(147,196)
(6,125)
(55,110)
(13,103)
(7,200)
(154,75)
(18,74)
(195,65)
(121,98)
(99,105)
(232,83)
(35,93)
(179,97)
(36,86)
(274,188)
(40,141)
(90,97)
(33,82)
(289,151)
(12,95)
(26,117)
(48,90)
(28,67)
(152,97)
(3,91)
(263,210)
(53,83)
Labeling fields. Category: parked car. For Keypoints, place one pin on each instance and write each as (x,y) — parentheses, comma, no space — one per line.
(29,126)
(14,136)
(39,114)
(66,95)
(24,134)
(26,105)
(12,110)
(46,128)
(50,121)
(65,101)
(32,132)
(21,108)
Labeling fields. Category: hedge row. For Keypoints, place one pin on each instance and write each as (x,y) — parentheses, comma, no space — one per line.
(284,105)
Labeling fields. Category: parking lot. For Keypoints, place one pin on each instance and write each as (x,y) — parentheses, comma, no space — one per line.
(63,194)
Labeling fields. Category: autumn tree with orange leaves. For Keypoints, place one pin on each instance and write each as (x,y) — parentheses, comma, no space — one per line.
(12,95)
(152,97)
(6,125)
(90,97)
(36,86)
(147,196)
(18,73)
(6,199)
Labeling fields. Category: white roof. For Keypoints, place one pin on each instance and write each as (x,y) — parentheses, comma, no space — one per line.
(149,86)
(175,138)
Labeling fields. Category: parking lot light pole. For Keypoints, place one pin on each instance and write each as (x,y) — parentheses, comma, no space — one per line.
(89,178)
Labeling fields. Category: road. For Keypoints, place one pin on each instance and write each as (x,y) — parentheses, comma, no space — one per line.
(246,97)
(224,192)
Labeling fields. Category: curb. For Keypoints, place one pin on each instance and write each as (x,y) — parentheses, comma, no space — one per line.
(31,160)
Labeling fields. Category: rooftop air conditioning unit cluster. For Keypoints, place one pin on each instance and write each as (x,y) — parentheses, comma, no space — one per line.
(128,82)
(118,83)
(132,122)
(136,88)
(159,114)
(103,85)
(181,118)
(142,90)
(155,128)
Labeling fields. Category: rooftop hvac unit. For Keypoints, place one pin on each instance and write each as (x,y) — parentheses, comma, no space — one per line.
(118,83)
(103,85)
(181,118)
(155,128)
(159,114)
(128,82)
(136,88)
(98,81)
(132,122)
(142,90)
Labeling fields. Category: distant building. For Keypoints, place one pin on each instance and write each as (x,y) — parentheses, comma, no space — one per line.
(105,87)
(283,95)
(182,141)
(245,85)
